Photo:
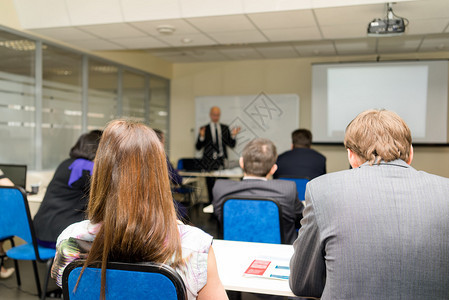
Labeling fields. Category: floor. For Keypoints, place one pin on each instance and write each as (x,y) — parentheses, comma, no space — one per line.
(27,291)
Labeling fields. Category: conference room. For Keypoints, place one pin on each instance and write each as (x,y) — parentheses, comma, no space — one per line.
(70,67)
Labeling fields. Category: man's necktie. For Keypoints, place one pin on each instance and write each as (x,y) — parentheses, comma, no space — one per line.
(216,138)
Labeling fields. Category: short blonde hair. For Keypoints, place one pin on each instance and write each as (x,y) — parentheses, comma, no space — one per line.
(376,135)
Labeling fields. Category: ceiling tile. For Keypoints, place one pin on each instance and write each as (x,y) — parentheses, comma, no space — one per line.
(273,52)
(427,26)
(292,34)
(428,9)
(175,56)
(65,33)
(360,14)
(338,3)
(240,53)
(140,43)
(112,31)
(285,19)
(196,40)
(435,44)
(346,31)
(398,44)
(325,48)
(86,12)
(255,6)
(201,8)
(150,27)
(143,10)
(42,13)
(242,37)
(222,23)
(364,46)
(97,44)
(207,55)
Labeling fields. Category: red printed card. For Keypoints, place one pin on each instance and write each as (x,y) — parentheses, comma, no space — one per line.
(258,267)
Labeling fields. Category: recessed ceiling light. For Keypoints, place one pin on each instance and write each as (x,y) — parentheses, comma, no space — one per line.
(186,40)
(165,29)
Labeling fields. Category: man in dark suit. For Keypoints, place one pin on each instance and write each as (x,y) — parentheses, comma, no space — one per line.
(379,230)
(213,138)
(301,161)
(258,164)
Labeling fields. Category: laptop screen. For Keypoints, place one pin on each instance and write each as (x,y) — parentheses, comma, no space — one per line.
(16,173)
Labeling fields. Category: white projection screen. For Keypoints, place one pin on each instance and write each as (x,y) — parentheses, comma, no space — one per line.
(416,90)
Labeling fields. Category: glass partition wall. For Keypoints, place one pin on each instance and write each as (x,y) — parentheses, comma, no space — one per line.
(50,95)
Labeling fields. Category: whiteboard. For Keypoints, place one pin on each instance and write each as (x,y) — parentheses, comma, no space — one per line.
(272,116)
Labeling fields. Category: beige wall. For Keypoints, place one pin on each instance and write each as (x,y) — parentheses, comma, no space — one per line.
(272,77)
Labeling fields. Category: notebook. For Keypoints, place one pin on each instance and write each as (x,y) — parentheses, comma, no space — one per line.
(16,173)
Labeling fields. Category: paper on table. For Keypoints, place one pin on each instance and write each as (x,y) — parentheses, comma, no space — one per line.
(271,269)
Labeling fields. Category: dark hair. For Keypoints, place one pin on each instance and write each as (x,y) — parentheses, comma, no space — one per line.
(302,138)
(159,133)
(86,146)
(259,156)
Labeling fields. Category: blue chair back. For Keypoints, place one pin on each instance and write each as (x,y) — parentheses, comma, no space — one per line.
(123,281)
(180,165)
(15,219)
(252,220)
(300,186)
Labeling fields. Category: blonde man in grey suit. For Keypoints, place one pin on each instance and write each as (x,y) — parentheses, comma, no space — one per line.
(378,231)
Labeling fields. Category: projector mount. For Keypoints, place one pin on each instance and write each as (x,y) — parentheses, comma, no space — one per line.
(392,25)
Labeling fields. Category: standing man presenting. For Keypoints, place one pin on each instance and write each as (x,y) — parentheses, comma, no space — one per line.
(379,230)
(213,139)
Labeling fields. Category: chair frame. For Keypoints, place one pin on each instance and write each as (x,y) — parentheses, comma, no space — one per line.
(49,262)
(149,267)
(281,223)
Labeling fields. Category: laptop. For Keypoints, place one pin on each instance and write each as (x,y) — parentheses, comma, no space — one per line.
(16,173)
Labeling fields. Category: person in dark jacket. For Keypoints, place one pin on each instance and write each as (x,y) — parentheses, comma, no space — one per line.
(67,194)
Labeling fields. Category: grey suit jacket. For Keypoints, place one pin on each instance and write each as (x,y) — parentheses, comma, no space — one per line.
(283,191)
(374,232)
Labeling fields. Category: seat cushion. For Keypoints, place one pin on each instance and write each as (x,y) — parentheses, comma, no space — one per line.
(26,252)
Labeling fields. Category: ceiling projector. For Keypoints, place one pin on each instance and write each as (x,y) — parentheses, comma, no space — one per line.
(392,25)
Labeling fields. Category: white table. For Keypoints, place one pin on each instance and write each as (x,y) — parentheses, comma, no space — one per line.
(235,173)
(233,258)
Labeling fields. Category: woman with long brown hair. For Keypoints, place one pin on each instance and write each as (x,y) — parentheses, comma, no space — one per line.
(131,217)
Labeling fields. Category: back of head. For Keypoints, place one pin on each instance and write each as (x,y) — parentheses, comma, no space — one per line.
(376,135)
(86,146)
(259,156)
(302,138)
(130,196)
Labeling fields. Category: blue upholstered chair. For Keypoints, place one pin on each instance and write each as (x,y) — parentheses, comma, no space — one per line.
(15,220)
(300,186)
(123,281)
(252,220)
(186,190)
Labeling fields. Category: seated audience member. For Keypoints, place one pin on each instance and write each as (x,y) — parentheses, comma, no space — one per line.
(174,177)
(67,194)
(131,217)
(4,272)
(258,164)
(379,230)
(301,161)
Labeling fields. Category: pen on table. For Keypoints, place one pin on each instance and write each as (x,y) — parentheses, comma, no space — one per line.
(279,276)
(282,267)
